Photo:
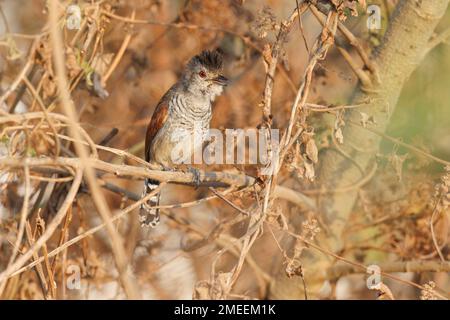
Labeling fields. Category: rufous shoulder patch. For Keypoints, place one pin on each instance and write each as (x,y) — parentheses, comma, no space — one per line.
(159,117)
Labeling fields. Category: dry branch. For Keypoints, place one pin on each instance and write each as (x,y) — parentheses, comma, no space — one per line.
(414,23)
(51,228)
(345,169)
(117,246)
(341,270)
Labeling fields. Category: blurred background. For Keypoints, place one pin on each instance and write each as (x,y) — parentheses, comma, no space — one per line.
(390,222)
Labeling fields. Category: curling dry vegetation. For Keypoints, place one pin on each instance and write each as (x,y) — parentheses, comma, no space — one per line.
(358,203)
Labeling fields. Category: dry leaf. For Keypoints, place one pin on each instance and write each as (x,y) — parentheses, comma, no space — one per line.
(384,293)
(311,151)
(309,171)
(201,291)
(48,86)
(339,136)
(224,280)
(73,68)
(265,22)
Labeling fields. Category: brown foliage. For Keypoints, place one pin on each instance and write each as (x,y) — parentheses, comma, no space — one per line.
(291,70)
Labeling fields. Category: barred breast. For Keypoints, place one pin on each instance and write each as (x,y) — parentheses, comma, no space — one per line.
(184,132)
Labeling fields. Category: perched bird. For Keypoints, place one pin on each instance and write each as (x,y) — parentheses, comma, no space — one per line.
(182,116)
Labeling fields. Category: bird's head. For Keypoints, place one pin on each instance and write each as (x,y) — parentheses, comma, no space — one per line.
(203,77)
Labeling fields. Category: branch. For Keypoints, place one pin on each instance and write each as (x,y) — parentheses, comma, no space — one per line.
(368,62)
(181,25)
(341,270)
(48,232)
(360,73)
(206,178)
(22,223)
(214,179)
(437,40)
(19,269)
(14,85)
(401,51)
(118,57)
(272,61)
(118,250)
(395,61)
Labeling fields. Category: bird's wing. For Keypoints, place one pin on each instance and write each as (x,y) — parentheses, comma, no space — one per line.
(156,123)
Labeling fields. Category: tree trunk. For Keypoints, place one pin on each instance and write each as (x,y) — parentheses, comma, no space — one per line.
(403,48)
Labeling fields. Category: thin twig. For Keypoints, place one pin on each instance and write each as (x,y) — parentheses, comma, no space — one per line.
(403,144)
(85,234)
(8,272)
(129,284)
(431,223)
(119,55)
(22,223)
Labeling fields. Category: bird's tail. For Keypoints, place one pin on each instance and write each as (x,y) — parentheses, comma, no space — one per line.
(149,216)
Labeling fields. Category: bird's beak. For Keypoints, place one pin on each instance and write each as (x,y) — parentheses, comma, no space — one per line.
(220,80)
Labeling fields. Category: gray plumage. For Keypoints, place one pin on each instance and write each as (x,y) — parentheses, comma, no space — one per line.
(181,121)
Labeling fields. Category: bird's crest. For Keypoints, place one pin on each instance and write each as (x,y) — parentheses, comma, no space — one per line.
(212,60)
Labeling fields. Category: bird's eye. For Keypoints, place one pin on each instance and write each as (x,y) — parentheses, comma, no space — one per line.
(202,74)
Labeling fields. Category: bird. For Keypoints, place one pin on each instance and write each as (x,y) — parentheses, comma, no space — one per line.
(180,122)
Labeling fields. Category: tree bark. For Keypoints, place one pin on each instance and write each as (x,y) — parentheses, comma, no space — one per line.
(404,46)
